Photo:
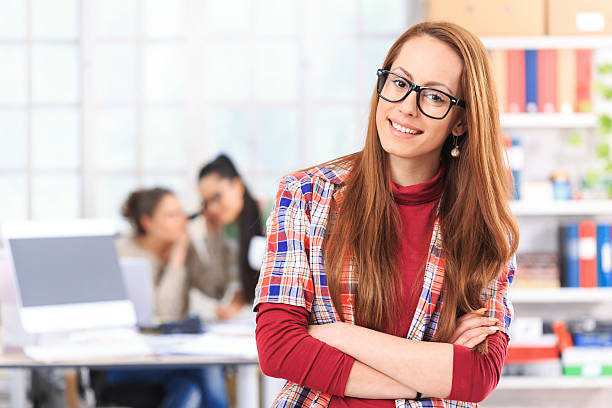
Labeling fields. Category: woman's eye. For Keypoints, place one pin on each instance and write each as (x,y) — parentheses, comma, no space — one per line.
(399,83)
(434,97)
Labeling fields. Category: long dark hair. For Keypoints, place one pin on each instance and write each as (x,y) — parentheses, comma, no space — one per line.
(140,203)
(249,222)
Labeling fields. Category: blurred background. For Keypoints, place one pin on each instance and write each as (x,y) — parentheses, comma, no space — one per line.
(100,97)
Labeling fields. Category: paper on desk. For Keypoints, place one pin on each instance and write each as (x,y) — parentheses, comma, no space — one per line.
(235,328)
(71,352)
(211,344)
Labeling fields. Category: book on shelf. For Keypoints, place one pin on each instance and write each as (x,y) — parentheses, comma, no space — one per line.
(585,260)
(543,80)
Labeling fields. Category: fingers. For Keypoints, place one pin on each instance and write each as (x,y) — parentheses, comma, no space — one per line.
(473,337)
(472,322)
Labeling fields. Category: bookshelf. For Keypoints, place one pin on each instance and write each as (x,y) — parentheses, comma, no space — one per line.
(538,221)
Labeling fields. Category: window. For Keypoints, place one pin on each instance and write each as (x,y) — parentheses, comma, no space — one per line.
(100,97)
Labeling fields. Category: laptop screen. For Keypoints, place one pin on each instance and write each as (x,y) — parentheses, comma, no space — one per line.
(66,270)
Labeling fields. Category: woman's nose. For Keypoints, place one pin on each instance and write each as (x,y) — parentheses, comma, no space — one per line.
(409,105)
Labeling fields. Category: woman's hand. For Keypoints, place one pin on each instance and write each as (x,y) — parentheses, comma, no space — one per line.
(178,251)
(473,328)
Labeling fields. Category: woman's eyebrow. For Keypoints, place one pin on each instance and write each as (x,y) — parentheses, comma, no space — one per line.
(429,83)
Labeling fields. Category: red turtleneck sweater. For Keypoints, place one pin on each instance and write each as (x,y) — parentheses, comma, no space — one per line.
(283,341)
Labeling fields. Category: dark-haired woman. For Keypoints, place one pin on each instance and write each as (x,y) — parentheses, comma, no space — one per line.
(160,235)
(232,214)
(386,273)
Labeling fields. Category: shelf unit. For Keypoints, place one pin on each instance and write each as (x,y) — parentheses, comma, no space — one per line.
(562,302)
(561,208)
(561,295)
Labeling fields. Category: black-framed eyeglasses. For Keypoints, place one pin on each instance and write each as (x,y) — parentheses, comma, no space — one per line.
(432,102)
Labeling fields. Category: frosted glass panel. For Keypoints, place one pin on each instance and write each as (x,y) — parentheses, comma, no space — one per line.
(13,19)
(13,74)
(111,193)
(277,139)
(385,16)
(13,139)
(117,18)
(163,141)
(335,70)
(55,138)
(275,16)
(178,184)
(55,19)
(337,16)
(335,133)
(163,18)
(14,186)
(164,73)
(228,66)
(228,131)
(221,19)
(116,73)
(55,75)
(115,139)
(56,196)
(277,71)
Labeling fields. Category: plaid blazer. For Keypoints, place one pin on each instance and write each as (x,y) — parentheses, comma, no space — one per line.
(293,273)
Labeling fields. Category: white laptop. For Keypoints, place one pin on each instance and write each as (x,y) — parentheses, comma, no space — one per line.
(67,276)
(138,279)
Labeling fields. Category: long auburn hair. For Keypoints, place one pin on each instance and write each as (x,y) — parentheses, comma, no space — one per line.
(479,233)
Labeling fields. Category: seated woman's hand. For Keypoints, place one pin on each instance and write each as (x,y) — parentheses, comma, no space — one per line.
(473,328)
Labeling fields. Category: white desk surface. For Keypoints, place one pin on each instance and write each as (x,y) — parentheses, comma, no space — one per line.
(17,359)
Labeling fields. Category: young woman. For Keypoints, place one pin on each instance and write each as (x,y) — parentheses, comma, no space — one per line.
(385,278)
(231,213)
(160,235)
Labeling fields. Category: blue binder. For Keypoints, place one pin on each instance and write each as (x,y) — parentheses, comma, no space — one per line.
(604,255)
(531,81)
(572,260)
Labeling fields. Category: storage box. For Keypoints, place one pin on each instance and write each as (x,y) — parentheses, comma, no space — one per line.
(492,17)
(579,17)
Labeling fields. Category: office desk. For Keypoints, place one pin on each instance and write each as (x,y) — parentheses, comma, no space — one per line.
(248,378)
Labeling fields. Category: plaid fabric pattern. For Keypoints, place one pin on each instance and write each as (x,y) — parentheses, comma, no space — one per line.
(293,273)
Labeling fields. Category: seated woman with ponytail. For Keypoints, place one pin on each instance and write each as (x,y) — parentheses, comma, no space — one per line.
(234,237)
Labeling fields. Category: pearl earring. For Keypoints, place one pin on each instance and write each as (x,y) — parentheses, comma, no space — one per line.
(455,152)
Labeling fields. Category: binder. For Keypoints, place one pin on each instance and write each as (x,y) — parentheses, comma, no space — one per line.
(572,260)
(566,80)
(547,81)
(587,252)
(531,81)
(584,67)
(604,255)
(499,64)
(516,81)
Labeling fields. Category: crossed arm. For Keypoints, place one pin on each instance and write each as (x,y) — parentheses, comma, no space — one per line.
(421,366)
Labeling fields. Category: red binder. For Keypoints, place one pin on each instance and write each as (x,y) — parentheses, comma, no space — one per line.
(584,68)
(587,254)
(547,81)
(516,81)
